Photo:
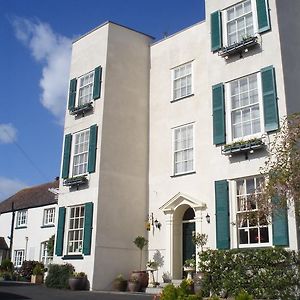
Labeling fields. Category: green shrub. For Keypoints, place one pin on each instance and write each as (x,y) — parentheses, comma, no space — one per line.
(270,273)
(214,298)
(6,265)
(27,267)
(243,295)
(182,292)
(169,293)
(58,276)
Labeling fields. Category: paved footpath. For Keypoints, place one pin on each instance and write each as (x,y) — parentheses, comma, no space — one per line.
(21,291)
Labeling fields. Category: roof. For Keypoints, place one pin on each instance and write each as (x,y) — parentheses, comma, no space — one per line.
(3,245)
(110,22)
(31,197)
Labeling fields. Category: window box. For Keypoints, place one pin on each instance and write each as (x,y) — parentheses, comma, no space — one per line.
(239,48)
(75,181)
(243,146)
(82,109)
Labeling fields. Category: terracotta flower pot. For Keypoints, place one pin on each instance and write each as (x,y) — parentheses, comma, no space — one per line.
(134,286)
(142,277)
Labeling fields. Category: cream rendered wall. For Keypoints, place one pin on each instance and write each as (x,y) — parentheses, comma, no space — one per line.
(88,52)
(118,188)
(188,45)
(269,54)
(193,44)
(123,182)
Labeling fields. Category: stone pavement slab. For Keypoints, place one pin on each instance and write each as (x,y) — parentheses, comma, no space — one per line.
(21,291)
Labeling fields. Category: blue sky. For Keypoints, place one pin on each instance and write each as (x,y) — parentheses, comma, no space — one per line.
(35,56)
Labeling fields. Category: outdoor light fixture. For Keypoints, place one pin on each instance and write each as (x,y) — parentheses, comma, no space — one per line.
(157,224)
(207,218)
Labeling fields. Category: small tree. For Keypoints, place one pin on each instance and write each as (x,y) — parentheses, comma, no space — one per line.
(140,242)
(282,168)
(50,245)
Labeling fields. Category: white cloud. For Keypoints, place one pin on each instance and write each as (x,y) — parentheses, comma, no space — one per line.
(53,51)
(8,187)
(8,133)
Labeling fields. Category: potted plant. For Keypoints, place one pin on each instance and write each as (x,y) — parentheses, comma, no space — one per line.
(78,281)
(200,240)
(37,276)
(166,276)
(142,275)
(189,266)
(120,284)
(134,284)
(151,267)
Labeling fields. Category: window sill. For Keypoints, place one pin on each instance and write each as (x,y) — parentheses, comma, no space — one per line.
(75,181)
(20,227)
(238,48)
(48,226)
(81,110)
(70,257)
(248,146)
(183,174)
(181,98)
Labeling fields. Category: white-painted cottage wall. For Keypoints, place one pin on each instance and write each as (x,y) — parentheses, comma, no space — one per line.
(34,231)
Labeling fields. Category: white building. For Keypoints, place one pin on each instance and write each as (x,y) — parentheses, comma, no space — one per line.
(149,135)
(27,221)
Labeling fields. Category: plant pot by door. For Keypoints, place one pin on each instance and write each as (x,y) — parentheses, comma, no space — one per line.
(142,277)
(134,286)
(120,285)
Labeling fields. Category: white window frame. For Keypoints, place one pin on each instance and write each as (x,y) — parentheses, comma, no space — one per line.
(78,87)
(44,257)
(228,109)
(49,216)
(173,149)
(78,229)
(19,257)
(22,217)
(225,20)
(173,80)
(234,205)
(73,153)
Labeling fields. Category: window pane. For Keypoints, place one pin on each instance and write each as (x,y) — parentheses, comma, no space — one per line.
(182,81)
(243,236)
(253,235)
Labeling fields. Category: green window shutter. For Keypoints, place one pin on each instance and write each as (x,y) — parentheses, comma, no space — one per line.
(222,214)
(88,226)
(263,16)
(280,226)
(218,114)
(216,31)
(97,83)
(60,231)
(66,158)
(72,93)
(269,99)
(92,149)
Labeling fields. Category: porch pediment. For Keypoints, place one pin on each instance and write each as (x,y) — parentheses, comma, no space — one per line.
(181,199)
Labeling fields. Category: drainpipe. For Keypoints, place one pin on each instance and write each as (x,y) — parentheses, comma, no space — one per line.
(11,238)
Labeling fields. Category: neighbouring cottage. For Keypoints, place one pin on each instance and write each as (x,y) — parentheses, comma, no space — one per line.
(27,221)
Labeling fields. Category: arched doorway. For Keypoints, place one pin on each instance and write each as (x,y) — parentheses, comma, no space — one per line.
(188,229)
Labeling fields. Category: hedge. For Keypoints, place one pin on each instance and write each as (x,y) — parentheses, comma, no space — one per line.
(269,273)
